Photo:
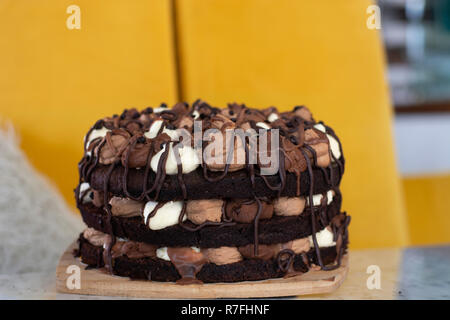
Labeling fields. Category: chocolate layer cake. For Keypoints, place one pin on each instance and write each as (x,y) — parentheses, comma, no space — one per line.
(203,194)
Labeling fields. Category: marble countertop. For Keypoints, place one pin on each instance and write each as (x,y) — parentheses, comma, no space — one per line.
(410,273)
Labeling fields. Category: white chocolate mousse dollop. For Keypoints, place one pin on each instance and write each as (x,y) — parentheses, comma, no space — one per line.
(160,109)
(84,193)
(222,255)
(324,238)
(167,215)
(272,117)
(125,207)
(263,125)
(317,198)
(289,206)
(200,211)
(334,145)
(162,253)
(94,134)
(155,127)
(195,114)
(188,158)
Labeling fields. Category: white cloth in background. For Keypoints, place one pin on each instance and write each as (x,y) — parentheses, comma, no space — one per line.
(36,225)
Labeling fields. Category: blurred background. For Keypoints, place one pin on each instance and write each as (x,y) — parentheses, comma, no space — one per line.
(385,89)
(416,36)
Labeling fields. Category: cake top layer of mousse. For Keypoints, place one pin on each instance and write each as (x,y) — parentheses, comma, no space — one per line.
(201,151)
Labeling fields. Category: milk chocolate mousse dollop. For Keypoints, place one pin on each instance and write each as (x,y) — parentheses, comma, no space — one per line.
(146,119)
(221,122)
(186,122)
(304,113)
(202,110)
(289,206)
(96,238)
(232,111)
(299,111)
(294,160)
(319,142)
(248,115)
(115,145)
(222,255)
(300,245)
(180,109)
(183,118)
(224,146)
(137,155)
(125,207)
(267,252)
(200,211)
(244,211)
(133,250)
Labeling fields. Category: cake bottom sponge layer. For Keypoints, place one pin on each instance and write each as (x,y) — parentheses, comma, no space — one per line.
(157,269)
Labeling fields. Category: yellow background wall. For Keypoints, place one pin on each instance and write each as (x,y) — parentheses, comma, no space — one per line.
(55,82)
(428,208)
(317,53)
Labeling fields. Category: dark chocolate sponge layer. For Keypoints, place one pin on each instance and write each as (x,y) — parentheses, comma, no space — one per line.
(234,185)
(160,270)
(274,230)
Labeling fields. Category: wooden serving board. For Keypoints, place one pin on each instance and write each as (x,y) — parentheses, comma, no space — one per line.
(98,282)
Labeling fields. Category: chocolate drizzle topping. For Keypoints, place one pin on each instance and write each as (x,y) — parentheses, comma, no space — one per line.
(180,167)
(187,262)
(285,259)
(108,258)
(256,225)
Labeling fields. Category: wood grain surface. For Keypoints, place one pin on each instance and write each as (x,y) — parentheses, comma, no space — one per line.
(98,282)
